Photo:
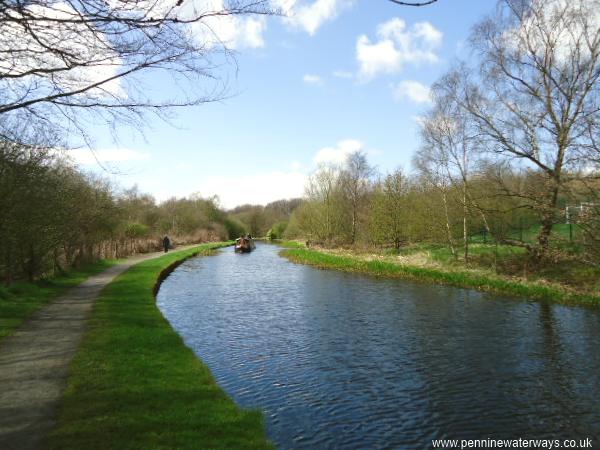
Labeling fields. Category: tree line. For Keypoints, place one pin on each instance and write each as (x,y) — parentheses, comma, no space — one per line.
(55,217)
(69,67)
(268,221)
(511,141)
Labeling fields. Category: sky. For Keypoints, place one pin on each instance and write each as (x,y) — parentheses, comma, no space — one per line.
(332,77)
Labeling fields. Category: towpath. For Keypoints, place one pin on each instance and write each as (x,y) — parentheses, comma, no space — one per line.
(34,361)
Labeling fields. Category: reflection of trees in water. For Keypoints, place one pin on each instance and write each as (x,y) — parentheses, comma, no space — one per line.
(456,338)
(567,374)
(502,368)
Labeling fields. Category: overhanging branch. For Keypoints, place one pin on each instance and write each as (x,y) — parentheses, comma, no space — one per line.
(398,2)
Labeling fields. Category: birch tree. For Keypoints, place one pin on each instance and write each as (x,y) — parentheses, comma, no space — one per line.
(355,181)
(535,97)
(432,162)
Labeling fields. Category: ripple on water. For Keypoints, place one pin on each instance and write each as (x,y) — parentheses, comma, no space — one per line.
(342,361)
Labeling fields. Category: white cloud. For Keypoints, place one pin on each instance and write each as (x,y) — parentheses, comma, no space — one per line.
(396,46)
(419,120)
(88,157)
(219,28)
(413,91)
(311,16)
(232,32)
(312,79)
(338,153)
(259,188)
(252,30)
(343,74)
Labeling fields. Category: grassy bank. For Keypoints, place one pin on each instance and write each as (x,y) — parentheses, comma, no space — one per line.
(475,279)
(134,384)
(19,300)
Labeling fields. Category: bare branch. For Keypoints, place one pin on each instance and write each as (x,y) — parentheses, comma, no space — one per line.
(398,2)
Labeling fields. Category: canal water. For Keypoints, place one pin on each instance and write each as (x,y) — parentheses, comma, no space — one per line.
(344,361)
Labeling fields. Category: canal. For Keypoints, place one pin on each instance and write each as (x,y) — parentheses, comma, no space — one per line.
(345,361)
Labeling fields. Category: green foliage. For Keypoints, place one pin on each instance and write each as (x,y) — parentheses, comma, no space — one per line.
(136,230)
(135,384)
(55,217)
(277,230)
(234,228)
(390,211)
(259,220)
(293,230)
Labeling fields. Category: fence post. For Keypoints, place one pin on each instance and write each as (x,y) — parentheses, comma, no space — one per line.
(570,232)
(521,229)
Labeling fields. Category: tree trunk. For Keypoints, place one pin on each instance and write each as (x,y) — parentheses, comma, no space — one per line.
(448,230)
(31,264)
(544,236)
(548,218)
(328,226)
(353,238)
(465,225)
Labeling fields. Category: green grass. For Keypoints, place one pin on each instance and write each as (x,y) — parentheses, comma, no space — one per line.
(19,300)
(510,261)
(478,252)
(135,385)
(290,244)
(560,234)
(474,280)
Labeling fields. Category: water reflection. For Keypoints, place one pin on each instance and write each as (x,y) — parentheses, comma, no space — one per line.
(343,361)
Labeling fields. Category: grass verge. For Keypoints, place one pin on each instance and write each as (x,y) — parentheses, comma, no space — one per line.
(19,300)
(134,384)
(482,282)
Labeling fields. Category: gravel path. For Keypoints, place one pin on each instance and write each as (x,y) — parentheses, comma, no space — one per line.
(34,361)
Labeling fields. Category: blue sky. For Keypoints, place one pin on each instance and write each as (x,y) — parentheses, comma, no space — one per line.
(335,76)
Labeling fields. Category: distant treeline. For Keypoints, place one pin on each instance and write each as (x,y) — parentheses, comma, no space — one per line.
(266,221)
(53,216)
(353,205)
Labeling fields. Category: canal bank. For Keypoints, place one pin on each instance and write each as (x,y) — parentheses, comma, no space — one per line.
(135,384)
(35,358)
(480,280)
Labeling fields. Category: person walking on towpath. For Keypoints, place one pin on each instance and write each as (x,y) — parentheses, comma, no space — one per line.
(166,243)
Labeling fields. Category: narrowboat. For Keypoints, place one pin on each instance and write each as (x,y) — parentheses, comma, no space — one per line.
(244,244)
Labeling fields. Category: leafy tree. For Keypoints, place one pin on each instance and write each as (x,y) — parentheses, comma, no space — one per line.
(389,210)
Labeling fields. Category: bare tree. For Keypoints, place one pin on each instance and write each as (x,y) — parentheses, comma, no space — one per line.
(64,61)
(355,180)
(321,188)
(536,98)
(451,139)
(432,161)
